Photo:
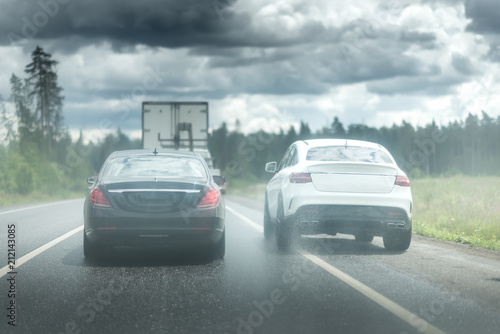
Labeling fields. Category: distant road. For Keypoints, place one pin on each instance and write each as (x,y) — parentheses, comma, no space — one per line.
(323,285)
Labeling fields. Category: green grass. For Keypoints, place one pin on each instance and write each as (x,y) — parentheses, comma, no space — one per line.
(249,188)
(13,199)
(459,208)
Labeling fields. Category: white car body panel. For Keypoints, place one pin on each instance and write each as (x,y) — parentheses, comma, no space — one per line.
(353,178)
(337,183)
(300,195)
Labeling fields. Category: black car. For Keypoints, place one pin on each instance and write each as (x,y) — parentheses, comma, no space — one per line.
(146,198)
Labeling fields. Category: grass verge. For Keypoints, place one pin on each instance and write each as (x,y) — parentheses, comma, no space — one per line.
(246,188)
(461,209)
(13,199)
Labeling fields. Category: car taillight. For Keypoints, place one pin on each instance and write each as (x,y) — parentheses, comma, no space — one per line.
(210,199)
(402,181)
(97,199)
(300,178)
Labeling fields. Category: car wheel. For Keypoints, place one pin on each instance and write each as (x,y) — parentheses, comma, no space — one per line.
(219,249)
(398,240)
(269,228)
(90,250)
(363,237)
(283,230)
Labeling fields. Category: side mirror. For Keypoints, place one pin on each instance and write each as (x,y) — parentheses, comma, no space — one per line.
(271,167)
(92,179)
(219,180)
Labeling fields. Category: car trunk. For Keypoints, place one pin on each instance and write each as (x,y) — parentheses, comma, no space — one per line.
(353,177)
(154,196)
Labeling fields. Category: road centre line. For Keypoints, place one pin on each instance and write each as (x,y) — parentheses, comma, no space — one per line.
(40,250)
(245,219)
(410,318)
(36,207)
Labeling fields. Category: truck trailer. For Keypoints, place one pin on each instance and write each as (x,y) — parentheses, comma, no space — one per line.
(177,125)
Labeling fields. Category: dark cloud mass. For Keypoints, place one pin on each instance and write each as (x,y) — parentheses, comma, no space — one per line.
(494,52)
(425,40)
(228,52)
(462,64)
(429,86)
(156,23)
(149,22)
(485,16)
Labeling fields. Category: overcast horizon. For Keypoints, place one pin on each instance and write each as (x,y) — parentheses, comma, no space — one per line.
(269,65)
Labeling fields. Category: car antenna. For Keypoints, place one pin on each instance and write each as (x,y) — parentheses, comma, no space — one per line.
(155,152)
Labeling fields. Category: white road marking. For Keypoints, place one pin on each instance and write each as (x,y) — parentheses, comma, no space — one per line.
(248,221)
(40,250)
(410,318)
(35,207)
(402,313)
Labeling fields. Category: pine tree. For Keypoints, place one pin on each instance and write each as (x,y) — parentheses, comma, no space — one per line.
(47,95)
(305,131)
(22,104)
(338,128)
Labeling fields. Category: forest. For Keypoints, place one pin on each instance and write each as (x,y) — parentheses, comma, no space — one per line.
(470,147)
(38,154)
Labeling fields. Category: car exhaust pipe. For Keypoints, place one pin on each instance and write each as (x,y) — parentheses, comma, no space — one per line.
(400,225)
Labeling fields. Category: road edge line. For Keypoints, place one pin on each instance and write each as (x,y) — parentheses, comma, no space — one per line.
(408,317)
(402,313)
(40,250)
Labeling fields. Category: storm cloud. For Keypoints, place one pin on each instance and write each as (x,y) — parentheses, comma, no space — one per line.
(227,50)
(155,23)
(485,21)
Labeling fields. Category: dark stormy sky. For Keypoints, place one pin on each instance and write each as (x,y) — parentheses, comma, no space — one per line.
(269,64)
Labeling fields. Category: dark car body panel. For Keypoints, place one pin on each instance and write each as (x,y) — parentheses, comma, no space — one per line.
(151,211)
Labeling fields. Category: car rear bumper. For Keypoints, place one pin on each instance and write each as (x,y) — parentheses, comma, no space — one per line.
(297,197)
(349,219)
(155,232)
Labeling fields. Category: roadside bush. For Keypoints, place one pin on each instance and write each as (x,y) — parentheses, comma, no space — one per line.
(416,173)
(24,179)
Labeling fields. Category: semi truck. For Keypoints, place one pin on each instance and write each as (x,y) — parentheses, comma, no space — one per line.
(177,125)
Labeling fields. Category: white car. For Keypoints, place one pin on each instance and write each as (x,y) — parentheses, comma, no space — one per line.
(338,186)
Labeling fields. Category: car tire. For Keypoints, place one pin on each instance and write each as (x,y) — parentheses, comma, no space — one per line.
(269,227)
(283,230)
(397,240)
(90,250)
(219,249)
(363,237)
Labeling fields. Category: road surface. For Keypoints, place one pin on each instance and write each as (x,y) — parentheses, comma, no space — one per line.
(323,285)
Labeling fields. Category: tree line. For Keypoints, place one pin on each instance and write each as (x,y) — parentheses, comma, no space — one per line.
(470,147)
(38,153)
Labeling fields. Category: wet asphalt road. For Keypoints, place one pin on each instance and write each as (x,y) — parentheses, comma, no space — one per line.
(323,285)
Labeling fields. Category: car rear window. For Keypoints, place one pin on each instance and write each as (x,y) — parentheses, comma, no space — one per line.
(348,154)
(159,166)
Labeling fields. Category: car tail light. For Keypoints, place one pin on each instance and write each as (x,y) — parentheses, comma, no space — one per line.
(97,199)
(402,181)
(210,199)
(300,178)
